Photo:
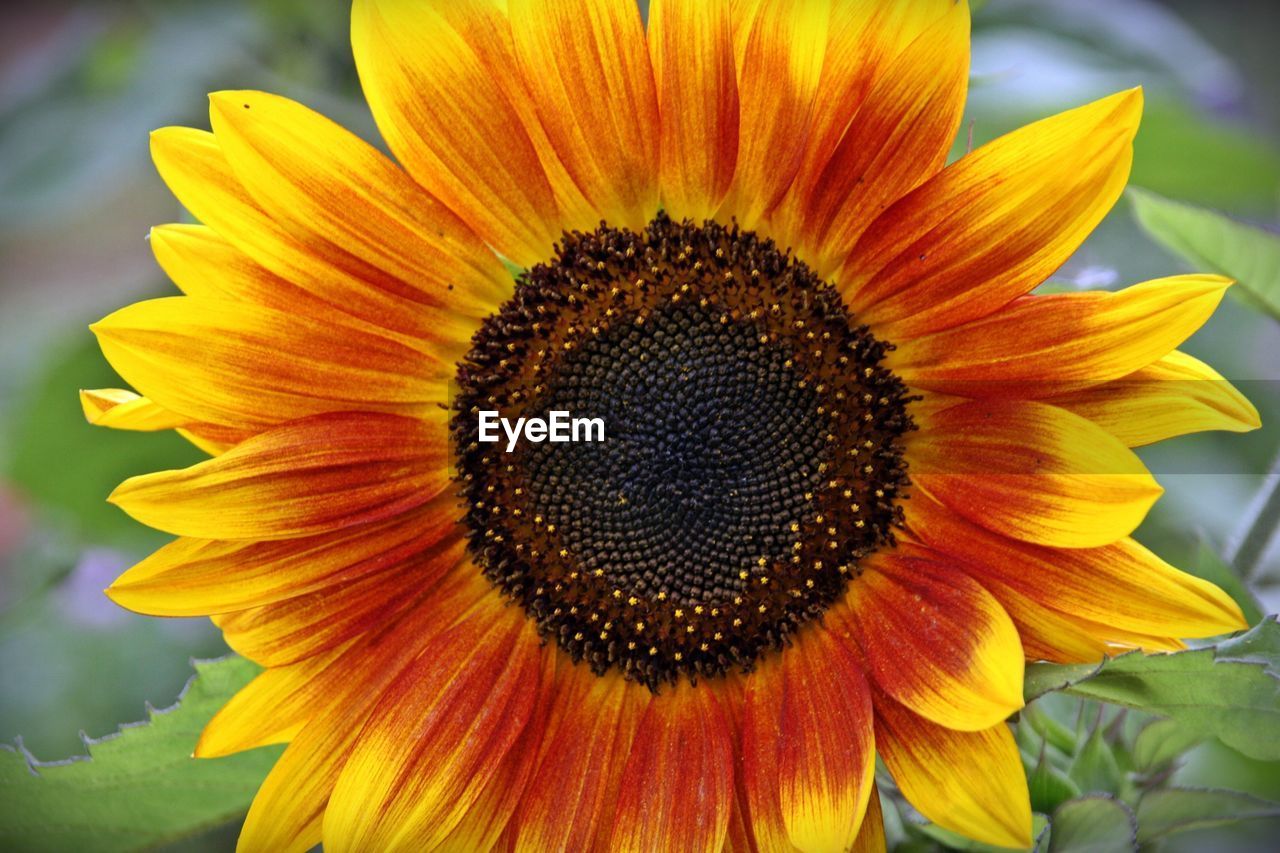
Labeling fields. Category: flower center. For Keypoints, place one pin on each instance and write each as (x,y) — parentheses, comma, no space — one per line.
(751,455)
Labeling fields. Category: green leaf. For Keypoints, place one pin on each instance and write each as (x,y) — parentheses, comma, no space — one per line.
(1094,824)
(1214,243)
(1172,810)
(139,787)
(1050,787)
(1095,767)
(1160,742)
(1053,732)
(1230,691)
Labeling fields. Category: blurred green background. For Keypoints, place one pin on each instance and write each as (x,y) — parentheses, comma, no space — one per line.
(82,83)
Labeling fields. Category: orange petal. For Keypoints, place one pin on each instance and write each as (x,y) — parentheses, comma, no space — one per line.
(242,365)
(899,136)
(1040,346)
(1122,585)
(193,165)
(995,224)
(969,782)
(1046,634)
(784,43)
(292,629)
(334,190)
(1031,471)
(586,65)
(590,726)
(491,817)
(438,736)
(199,577)
(865,37)
(305,478)
(677,783)
(1174,396)
(286,813)
(282,699)
(691,45)
(811,709)
(445,115)
(934,639)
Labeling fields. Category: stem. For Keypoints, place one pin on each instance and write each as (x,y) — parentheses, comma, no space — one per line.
(1248,556)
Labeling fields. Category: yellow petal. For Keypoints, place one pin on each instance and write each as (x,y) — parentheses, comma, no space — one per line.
(119,409)
(194,167)
(1121,585)
(337,191)
(198,577)
(993,225)
(1032,472)
(871,833)
(266,710)
(243,365)
(444,111)
(1042,346)
(969,782)
(1175,396)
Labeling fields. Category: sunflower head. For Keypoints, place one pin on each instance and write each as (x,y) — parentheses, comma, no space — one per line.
(852,472)
(754,455)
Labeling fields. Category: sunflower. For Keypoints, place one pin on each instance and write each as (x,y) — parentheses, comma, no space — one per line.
(854,475)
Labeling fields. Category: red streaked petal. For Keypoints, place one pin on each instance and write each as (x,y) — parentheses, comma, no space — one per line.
(286,813)
(1031,471)
(865,39)
(1040,346)
(691,46)
(295,628)
(807,737)
(438,735)
(899,137)
(677,783)
(587,68)
(993,225)
(783,45)
(1122,585)
(591,724)
(934,639)
(304,478)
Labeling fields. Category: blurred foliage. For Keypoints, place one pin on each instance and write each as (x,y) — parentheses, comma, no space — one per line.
(1214,243)
(77,194)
